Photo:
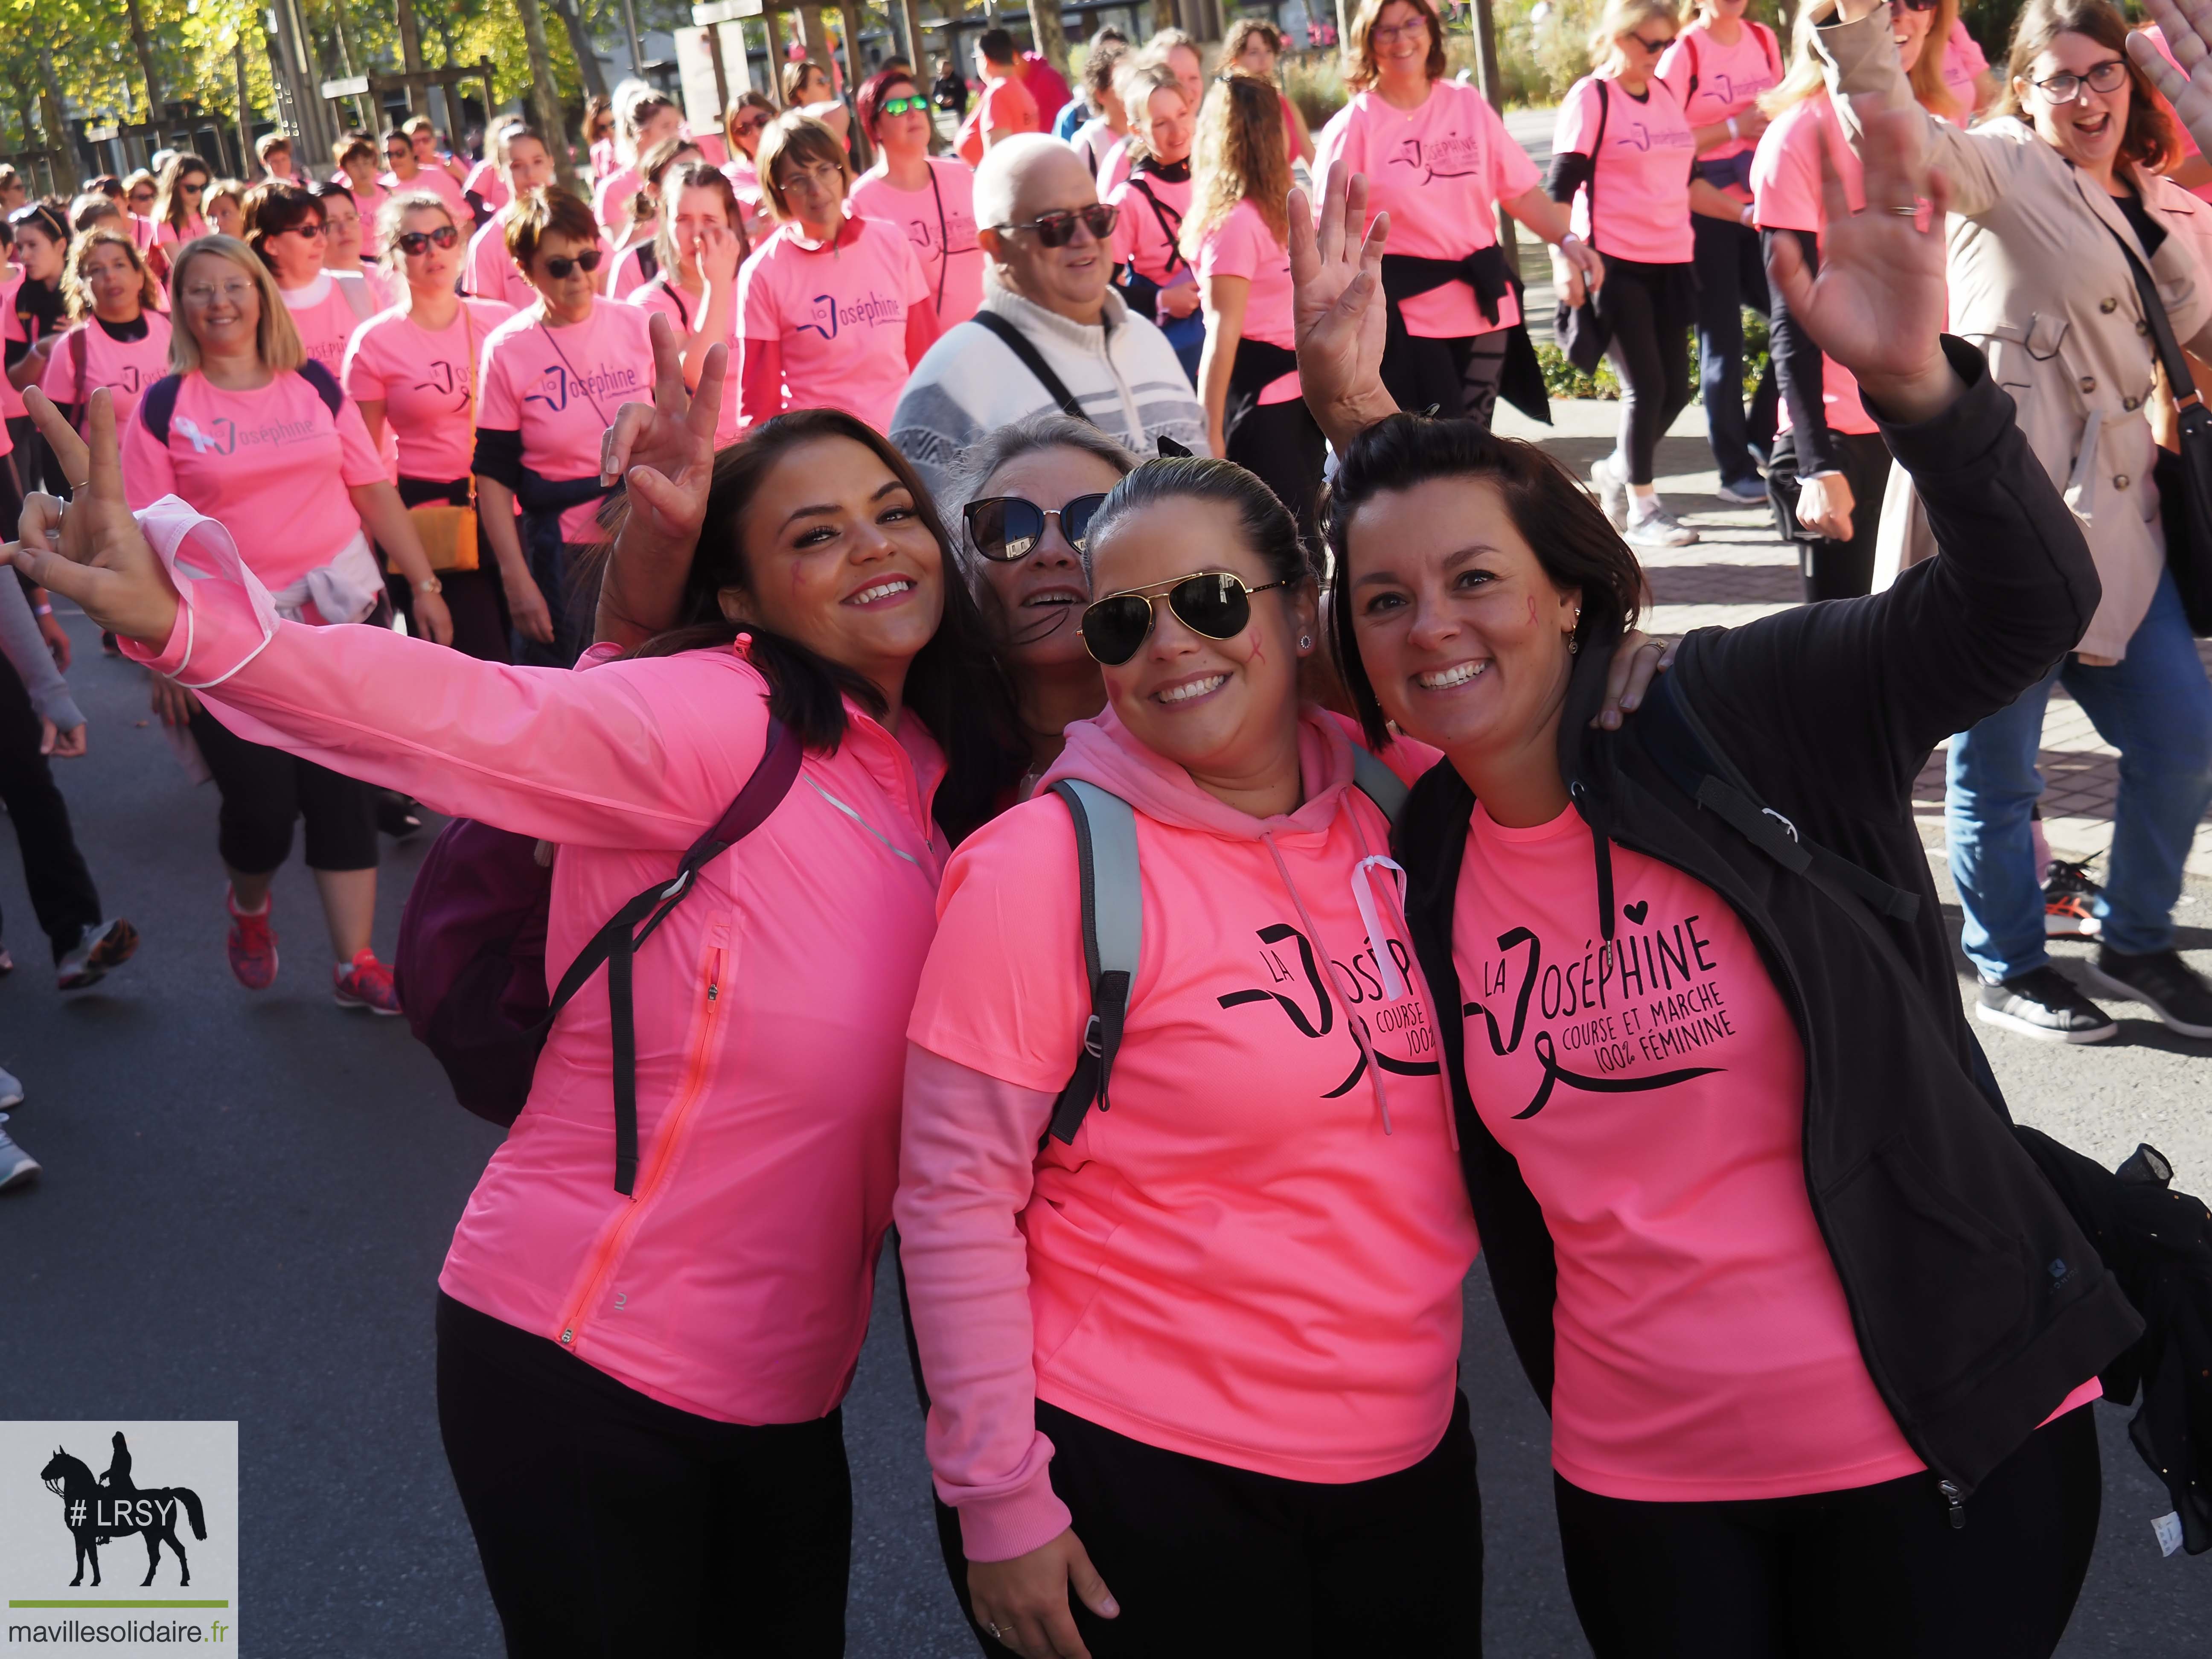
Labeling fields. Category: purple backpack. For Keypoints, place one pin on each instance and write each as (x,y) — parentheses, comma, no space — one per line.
(470,971)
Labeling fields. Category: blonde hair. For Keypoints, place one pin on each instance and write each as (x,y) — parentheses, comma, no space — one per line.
(392,220)
(1806,79)
(1622,17)
(1239,156)
(275,341)
(79,291)
(1136,84)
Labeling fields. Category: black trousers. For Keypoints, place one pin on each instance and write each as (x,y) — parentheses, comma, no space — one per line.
(1281,444)
(1830,569)
(1844,1575)
(264,789)
(475,599)
(62,896)
(35,465)
(1647,308)
(610,1524)
(1731,275)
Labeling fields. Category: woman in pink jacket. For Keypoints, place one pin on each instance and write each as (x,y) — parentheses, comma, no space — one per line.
(638,1395)
(1192,1368)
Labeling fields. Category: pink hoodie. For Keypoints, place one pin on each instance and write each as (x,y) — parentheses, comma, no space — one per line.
(770,1008)
(1254,1256)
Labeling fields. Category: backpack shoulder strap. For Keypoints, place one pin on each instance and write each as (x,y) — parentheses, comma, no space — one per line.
(1379,783)
(1767,39)
(1113,937)
(1033,360)
(80,350)
(325,384)
(1690,40)
(158,404)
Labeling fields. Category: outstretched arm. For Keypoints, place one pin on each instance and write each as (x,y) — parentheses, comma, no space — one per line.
(1864,77)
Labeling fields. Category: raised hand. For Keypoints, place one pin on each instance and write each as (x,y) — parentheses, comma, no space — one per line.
(1337,309)
(2187,27)
(1881,298)
(664,452)
(720,251)
(89,548)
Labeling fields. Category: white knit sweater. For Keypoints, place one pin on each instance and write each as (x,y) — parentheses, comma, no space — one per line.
(1123,372)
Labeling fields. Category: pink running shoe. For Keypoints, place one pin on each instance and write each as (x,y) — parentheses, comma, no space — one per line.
(366,984)
(252,943)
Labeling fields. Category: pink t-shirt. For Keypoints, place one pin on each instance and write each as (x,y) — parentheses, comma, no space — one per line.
(11,401)
(560,388)
(1963,63)
(166,235)
(1114,169)
(2156,36)
(1653,1093)
(125,368)
(326,317)
(681,308)
(1237,1262)
(488,185)
(141,231)
(1639,194)
(1786,187)
(440,183)
(611,201)
(1439,172)
(1141,241)
(369,201)
(424,380)
(603,157)
(839,314)
(629,274)
(490,274)
(1243,245)
(940,223)
(271,465)
(1727,79)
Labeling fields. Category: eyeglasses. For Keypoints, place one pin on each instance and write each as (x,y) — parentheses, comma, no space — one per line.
(206,294)
(1213,602)
(900,106)
(823,175)
(1007,528)
(2106,76)
(1385,33)
(757,123)
(1057,229)
(1654,47)
(412,242)
(193,190)
(561,270)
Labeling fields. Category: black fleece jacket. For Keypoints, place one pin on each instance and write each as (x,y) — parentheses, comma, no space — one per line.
(1978,1303)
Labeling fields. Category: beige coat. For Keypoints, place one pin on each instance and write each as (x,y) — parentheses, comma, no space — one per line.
(2039,283)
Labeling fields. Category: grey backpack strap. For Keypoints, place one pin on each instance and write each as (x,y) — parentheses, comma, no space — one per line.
(1113,935)
(1379,783)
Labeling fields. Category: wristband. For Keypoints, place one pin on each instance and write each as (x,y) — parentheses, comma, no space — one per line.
(1733,133)
(429,584)
(1749,217)
(1569,237)
(42,610)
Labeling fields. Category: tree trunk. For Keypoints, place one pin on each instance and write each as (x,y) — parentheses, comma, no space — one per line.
(245,109)
(544,96)
(61,154)
(410,58)
(141,44)
(579,41)
(1051,40)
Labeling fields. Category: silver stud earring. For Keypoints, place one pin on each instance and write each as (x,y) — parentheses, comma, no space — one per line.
(1305,642)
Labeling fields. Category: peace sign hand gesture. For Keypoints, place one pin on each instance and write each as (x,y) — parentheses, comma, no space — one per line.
(89,548)
(1880,300)
(664,451)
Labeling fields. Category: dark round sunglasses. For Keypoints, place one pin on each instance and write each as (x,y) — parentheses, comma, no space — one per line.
(421,242)
(560,269)
(1007,528)
(1057,229)
(1213,602)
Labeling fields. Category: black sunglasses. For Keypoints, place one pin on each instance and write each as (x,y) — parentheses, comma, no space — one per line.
(1057,229)
(1896,6)
(1213,602)
(558,269)
(1007,528)
(420,241)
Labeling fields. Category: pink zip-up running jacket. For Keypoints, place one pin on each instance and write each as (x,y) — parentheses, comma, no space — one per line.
(1254,1257)
(770,1008)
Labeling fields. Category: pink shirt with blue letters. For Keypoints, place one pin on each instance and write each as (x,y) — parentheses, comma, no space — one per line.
(560,388)
(838,314)
(1637,206)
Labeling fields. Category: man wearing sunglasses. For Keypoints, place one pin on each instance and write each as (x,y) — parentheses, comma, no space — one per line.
(1049,335)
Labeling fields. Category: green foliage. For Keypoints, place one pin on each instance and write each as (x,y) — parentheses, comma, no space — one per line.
(1562,379)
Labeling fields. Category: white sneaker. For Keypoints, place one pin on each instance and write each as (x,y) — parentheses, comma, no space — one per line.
(17,1167)
(1650,524)
(11,1090)
(1612,491)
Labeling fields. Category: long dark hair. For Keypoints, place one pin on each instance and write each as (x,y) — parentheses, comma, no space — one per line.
(954,686)
(1564,528)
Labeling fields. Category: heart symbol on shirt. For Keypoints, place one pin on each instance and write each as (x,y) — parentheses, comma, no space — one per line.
(1637,912)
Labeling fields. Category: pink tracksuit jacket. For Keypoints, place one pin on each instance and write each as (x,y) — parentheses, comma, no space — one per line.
(770,1008)
(1254,1257)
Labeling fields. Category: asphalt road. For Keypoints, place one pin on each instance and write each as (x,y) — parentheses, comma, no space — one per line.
(247,1197)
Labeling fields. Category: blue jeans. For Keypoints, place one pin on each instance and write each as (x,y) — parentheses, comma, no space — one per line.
(2155,707)
(1731,275)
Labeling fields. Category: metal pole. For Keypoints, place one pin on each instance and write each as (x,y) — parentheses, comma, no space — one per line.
(636,44)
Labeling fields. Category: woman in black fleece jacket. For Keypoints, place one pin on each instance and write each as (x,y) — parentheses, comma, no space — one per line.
(1813,1330)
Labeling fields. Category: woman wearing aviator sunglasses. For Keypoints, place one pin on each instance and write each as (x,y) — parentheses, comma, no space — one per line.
(931,198)
(179,206)
(2058,211)
(743,123)
(835,308)
(415,368)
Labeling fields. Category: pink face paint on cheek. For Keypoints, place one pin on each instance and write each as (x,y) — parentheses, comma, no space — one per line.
(1531,610)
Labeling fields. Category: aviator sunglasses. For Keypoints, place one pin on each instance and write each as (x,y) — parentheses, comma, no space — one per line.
(1057,229)
(420,241)
(1213,602)
(900,106)
(559,270)
(1006,529)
